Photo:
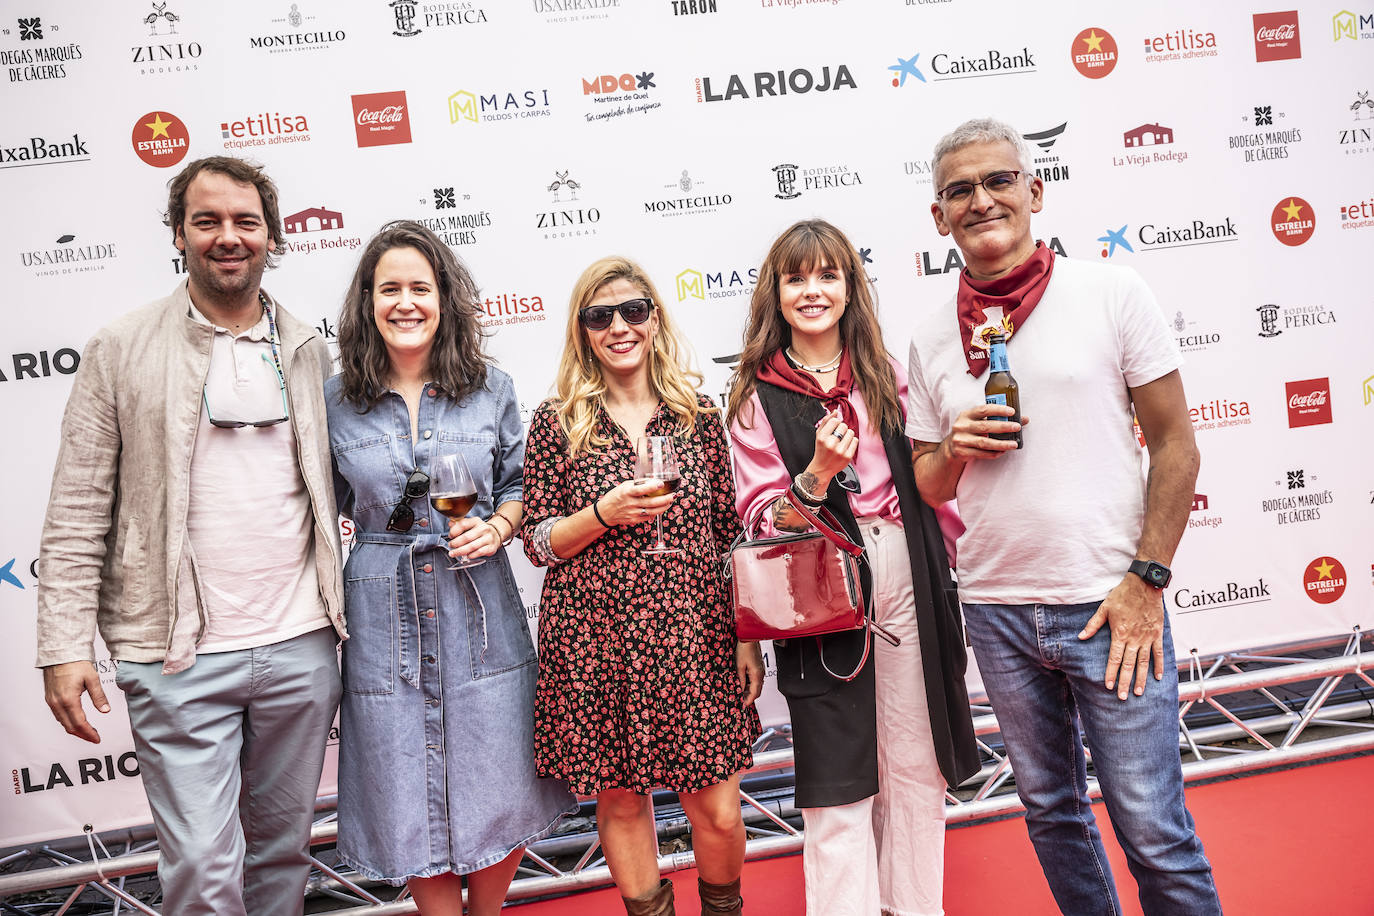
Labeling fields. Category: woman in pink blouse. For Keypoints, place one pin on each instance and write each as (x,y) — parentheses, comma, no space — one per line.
(816,407)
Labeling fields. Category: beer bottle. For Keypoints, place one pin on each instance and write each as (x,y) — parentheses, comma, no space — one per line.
(1001,387)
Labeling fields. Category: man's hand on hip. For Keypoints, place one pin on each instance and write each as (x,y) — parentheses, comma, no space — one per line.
(62,688)
(1134,616)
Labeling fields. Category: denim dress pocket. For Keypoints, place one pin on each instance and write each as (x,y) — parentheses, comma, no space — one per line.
(369,666)
(499,636)
(371,467)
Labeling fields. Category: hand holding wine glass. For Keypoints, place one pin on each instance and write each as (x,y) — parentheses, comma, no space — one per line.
(454,493)
(656,462)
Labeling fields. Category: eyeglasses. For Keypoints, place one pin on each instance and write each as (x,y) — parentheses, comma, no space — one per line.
(599,317)
(403,517)
(998,184)
(240,424)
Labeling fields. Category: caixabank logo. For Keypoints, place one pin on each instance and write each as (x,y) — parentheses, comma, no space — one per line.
(161,139)
(166,49)
(1293,221)
(1277,36)
(36,49)
(981,63)
(1193,598)
(774,83)
(620,95)
(381,118)
(1163,236)
(1094,53)
(483,107)
(1323,580)
(44,151)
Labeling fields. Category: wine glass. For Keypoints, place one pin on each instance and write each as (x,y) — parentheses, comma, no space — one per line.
(655,460)
(453,492)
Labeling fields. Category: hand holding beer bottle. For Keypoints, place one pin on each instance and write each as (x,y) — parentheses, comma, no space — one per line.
(1001,387)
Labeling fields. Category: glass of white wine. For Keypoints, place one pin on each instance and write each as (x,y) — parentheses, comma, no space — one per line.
(453,492)
(656,461)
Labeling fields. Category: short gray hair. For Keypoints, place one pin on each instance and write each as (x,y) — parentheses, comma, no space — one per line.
(981,130)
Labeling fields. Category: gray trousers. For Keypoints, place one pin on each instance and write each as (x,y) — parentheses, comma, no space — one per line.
(230,751)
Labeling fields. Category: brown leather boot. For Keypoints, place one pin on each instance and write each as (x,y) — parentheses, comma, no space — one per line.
(655,903)
(720,899)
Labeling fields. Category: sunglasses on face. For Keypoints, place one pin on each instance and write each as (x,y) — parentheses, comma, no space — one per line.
(599,317)
(403,517)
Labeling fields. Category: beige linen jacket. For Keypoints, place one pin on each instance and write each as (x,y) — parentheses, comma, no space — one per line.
(115,552)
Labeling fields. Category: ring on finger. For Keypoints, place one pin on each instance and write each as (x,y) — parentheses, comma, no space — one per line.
(837,434)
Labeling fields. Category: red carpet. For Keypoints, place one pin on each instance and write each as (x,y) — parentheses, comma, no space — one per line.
(1290,843)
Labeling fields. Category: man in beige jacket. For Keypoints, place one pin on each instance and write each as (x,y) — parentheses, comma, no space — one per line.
(192,522)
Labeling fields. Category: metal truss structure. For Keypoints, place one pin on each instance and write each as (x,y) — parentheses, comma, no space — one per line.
(1239,712)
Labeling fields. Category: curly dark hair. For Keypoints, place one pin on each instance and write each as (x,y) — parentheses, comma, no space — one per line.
(241,171)
(457,364)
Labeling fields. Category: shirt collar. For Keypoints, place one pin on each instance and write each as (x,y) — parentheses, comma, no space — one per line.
(258,332)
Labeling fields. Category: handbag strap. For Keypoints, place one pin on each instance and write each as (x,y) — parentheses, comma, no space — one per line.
(823,521)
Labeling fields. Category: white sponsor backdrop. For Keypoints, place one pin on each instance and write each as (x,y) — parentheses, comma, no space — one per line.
(546,133)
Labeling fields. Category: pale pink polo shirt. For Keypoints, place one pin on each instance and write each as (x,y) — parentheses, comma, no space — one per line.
(249,521)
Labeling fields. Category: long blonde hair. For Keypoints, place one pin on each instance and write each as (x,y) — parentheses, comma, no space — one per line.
(807,244)
(580,385)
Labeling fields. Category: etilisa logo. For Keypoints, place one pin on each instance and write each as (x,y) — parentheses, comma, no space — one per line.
(167,52)
(160,139)
(1358,215)
(1276,36)
(381,118)
(793,181)
(1309,402)
(1348,26)
(1191,338)
(63,258)
(512,308)
(1360,138)
(1094,53)
(1274,319)
(502,105)
(455,228)
(1140,142)
(41,53)
(269,128)
(1047,162)
(715,284)
(1180,44)
(773,83)
(688,196)
(1201,514)
(1296,502)
(1267,141)
(410,18)
(317,219)
(1324,580)
(1293,221)
(565,221)
(42,151)
(617,95)
(296,31)
(1220,413)
(992,62)
(931,264)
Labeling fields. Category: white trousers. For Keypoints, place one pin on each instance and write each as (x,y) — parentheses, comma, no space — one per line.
(886,854)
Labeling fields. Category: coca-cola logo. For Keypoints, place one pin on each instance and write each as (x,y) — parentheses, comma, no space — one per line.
(1308,402)
(389,115)
(1276,36)
(380,118)
(1315,399)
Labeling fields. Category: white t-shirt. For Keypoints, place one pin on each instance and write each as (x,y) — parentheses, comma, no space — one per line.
(1058,521)
(249,518)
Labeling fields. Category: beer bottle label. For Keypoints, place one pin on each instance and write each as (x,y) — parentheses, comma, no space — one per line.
(997,399)
(997,358)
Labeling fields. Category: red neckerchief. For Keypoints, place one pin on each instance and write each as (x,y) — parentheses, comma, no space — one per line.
(1010,298)
(777,370)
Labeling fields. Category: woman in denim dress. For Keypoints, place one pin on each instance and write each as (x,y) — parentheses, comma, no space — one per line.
(436,767)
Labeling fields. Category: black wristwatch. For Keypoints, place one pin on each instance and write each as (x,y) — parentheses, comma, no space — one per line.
(1156,574)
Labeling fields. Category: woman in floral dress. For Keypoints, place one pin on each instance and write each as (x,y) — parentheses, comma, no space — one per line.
(641,681)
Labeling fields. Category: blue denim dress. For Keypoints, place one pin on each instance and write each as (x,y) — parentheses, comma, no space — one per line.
(436,765)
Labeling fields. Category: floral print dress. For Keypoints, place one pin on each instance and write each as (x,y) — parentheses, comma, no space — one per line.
(637,683)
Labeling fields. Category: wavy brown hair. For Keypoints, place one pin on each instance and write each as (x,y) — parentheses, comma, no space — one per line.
(457,364)
(805,245)
(240,170)
(580,385)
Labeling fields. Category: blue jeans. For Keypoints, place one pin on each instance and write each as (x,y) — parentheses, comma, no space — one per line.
(1042,681)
